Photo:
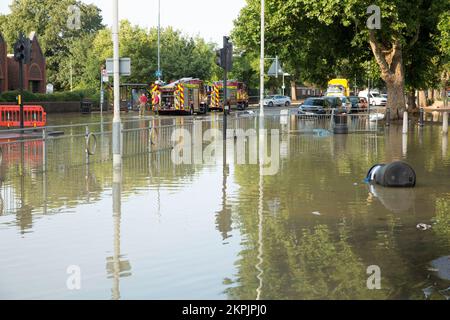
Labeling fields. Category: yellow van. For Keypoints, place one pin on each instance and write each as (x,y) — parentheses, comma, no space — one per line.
(338,87)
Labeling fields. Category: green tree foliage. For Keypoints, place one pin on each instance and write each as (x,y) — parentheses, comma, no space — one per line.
(321,39)
(49,19)
(181,56)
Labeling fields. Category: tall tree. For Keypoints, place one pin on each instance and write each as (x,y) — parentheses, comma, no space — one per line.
(57,25)
(322,38)
(180,56)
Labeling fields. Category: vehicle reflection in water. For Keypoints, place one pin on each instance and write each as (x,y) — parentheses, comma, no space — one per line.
(226,231)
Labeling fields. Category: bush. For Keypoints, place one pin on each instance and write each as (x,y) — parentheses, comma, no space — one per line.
(78,95)
(11,96)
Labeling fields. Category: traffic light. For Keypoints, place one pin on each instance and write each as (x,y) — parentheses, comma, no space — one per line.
(28,51)
(19,50)
(22,50)
(229,60)
(224,56)
(220,58)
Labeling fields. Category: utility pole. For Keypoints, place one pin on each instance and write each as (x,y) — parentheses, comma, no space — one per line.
(117,159)
(368,85)
(159,41)
(225,80)
(224,59)
(22,54)
(71,76)
(261,65)
(21,93)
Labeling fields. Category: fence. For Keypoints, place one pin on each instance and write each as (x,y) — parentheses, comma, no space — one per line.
(60,147)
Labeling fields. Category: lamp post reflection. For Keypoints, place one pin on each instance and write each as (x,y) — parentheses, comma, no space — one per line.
(114,266)
(444,145)
(262,152)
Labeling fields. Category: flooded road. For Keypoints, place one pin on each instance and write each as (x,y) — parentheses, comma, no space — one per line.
(214,231)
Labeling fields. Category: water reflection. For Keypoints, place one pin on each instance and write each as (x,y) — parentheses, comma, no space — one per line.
(224,216)
(393,199)
(172,222)
(114,266)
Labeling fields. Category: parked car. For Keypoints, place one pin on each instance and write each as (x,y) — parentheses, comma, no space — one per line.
(314,106)
(358,104)
(334,102)
(346,104)
(272,101)
(375,98)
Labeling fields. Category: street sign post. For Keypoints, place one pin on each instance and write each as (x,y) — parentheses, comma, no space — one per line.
(124,66)
(275,69)
(105,76)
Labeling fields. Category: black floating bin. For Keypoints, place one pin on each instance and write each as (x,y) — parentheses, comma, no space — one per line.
(395,174)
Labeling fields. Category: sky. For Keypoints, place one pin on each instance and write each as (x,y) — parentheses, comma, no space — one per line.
(211,19)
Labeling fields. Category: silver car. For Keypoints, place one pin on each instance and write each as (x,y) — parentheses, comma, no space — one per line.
(272,101)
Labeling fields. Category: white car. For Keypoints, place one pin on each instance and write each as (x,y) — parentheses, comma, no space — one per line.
(272,101)
(375,98)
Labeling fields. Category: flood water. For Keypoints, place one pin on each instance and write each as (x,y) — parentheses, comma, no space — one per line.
(209,231)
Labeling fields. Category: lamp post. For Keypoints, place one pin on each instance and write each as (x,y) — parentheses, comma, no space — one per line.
(159,41)
(261,71)
(117,160)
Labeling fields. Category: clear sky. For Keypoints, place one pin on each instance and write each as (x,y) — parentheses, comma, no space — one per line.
(211,19)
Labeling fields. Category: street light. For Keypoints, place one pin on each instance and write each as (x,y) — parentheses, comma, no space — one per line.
(159,41)
(117,160)
(261,66)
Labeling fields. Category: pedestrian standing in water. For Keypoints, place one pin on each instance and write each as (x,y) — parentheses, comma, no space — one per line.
(143,102)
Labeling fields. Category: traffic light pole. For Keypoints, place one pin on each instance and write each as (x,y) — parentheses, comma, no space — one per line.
(21,93)
(225,75)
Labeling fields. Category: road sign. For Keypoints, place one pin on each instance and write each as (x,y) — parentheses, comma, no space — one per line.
(105,77)
(158,74)
(124,69)
(273,69)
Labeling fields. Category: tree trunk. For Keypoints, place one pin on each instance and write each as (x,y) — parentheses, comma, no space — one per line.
(411,99)
(431,94)
(390,61)
(437,94)
(422,99)
(293,91)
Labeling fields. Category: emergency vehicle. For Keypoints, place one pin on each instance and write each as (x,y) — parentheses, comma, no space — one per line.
(182,97)
(237,95)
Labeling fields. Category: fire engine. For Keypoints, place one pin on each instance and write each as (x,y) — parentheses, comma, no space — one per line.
(237,95)
(182,97)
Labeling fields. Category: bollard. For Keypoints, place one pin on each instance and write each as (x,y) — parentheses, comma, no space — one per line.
(445,123)
(421,118)
(340,124)
(405,122)
(388,117)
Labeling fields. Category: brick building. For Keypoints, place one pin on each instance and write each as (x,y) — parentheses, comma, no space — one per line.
(34,74)
(3,65)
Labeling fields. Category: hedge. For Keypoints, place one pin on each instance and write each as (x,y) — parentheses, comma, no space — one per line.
(78,95)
